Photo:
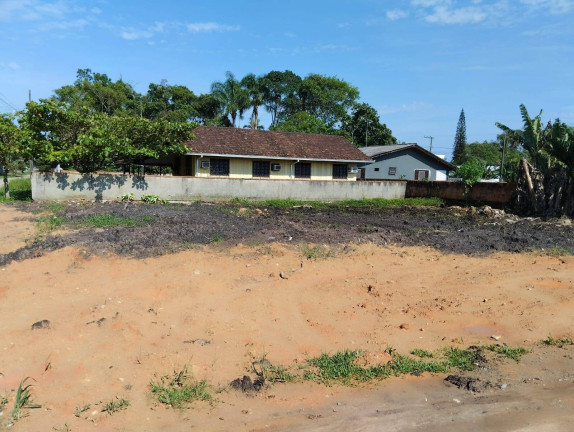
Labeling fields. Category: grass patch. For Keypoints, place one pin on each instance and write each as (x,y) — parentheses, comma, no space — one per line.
(20,190)
(317,252)
(556,252)
(115,405)
(23,400)
(421,353)
(107,221)
(558,342)
(342,367)
(350,204)
(215,239)
(80,409)
(270,373)
(3,402)
(49,223)
(180,389)
(508,352)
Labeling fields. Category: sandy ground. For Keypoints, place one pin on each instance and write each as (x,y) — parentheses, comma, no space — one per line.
(117,323)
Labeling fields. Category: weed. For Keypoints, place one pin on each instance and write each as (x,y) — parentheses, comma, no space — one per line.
(463,359)
(179,389)
(342,367)
(559,342)
(421,353)
(65,428)
(403,364)
(152,199)
(108,220)
(23,400)
(115,405)
(80,409)
(271,373)
(55,207)
(49,223)
(316,252)
(215,238)
(127,197)
(506,351)
(3,402)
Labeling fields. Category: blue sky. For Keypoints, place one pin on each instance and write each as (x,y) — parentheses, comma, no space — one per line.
(418,62)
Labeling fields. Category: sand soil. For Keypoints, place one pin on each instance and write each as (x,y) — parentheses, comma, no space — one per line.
(118,322)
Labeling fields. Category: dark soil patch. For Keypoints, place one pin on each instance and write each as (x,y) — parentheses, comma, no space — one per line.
(173,227)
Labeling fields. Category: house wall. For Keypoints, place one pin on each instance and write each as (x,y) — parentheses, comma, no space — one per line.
(406,162)
(67,186)
(242,168)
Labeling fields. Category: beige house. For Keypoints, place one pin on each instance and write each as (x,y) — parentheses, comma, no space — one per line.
(246,153)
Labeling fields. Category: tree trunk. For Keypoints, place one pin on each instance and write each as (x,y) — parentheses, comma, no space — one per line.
(6,187)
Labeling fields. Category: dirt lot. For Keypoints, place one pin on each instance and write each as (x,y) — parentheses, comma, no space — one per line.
(215,288)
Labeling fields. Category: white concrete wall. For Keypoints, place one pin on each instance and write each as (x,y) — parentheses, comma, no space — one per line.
(106,187)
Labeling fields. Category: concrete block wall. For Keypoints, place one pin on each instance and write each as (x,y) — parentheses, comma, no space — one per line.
(67,186)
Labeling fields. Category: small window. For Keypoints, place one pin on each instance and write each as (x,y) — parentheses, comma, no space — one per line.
(376,169)
(260,169)
(303,170)
(340,171)
(219,167)
(392,170)
(422,174)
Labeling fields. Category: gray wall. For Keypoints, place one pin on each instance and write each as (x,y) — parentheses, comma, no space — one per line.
(107,187)
(406,162)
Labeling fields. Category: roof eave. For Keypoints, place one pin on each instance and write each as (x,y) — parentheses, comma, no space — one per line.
(275,157)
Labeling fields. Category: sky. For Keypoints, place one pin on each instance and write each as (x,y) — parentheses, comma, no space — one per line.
(418,62)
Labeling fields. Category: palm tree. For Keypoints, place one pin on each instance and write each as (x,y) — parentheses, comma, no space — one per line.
(254,88)
(233,99)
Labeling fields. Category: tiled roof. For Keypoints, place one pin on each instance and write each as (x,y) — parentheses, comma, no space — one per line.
(375,151)
(268,144)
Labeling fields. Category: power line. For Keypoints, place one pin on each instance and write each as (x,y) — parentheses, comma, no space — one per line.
(4,100)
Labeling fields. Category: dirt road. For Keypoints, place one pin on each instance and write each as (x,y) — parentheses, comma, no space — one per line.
(117,323)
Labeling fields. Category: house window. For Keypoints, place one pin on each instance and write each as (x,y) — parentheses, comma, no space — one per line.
(376,169)
(303,170)
(260,169)
(219,167)
(340,171)
(422,174)
(392,170)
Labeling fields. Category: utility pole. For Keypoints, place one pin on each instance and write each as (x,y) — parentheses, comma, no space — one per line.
(502,163)
(31,160)
(431,138)
(367,132)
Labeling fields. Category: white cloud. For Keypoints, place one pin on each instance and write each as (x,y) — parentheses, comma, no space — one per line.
(397,14)
(467,15)
(133,34)
(206,27)
(553,6)
(9,65)
(393,109)
(64,25)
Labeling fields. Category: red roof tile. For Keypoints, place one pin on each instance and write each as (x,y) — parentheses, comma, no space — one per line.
(282,145)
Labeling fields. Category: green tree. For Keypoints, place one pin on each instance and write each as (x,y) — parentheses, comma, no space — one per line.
(97,93)
(459,140)
(560,145)
(12,146)
(470,172)
(233,99)
(365,128)
(278,88)
(90,142)
(304,123)
(327,98)
(169,102)
(254,87)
